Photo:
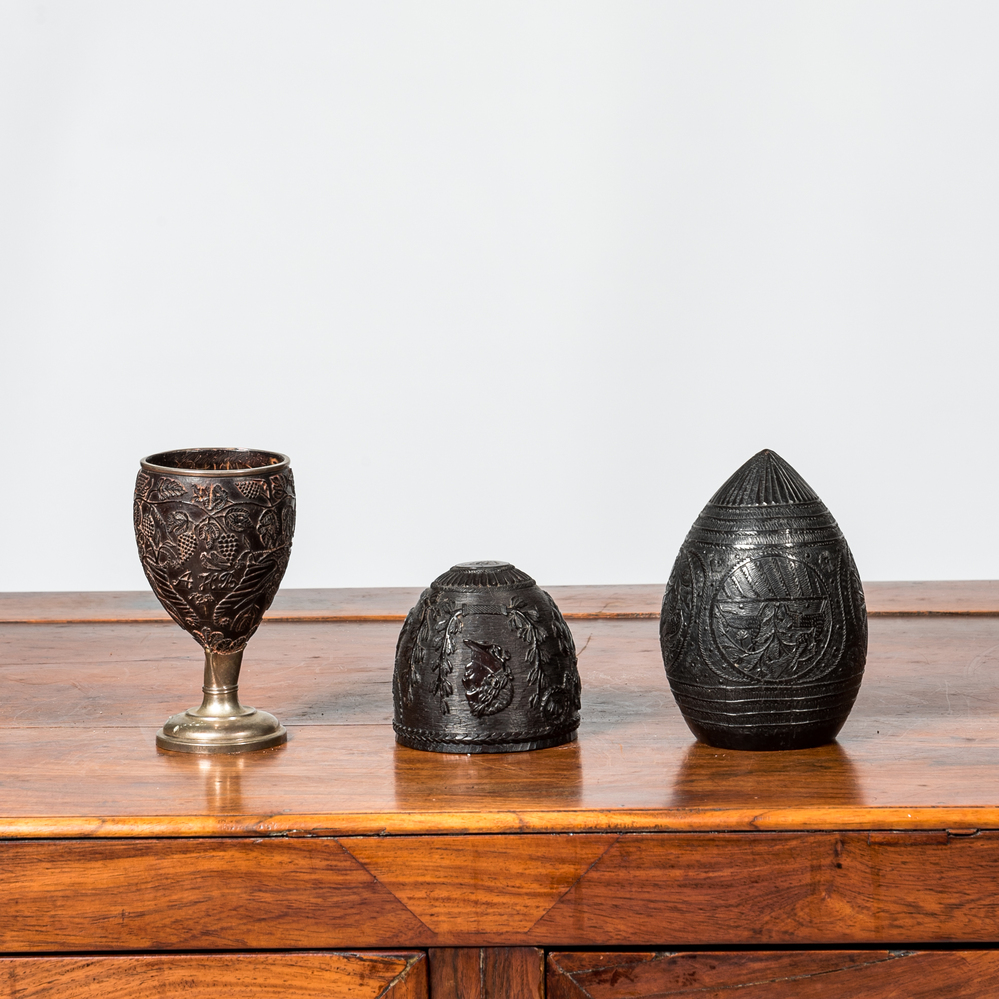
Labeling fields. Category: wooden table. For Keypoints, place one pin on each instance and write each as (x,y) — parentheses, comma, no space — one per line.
(634,862)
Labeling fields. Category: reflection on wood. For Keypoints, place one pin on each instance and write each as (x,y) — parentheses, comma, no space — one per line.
(423,780)
(80,706)
(709,777)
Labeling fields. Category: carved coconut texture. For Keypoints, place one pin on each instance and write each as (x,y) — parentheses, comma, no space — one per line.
(485,663)
(763,625)
(215,548)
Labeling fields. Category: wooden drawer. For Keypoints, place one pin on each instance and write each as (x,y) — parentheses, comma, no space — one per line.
(829,974)
(330,975)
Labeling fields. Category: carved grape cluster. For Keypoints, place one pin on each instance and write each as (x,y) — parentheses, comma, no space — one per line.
(215,550)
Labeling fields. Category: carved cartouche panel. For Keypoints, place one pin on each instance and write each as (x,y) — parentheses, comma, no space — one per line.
(763,626)
(485,663)
(215,545)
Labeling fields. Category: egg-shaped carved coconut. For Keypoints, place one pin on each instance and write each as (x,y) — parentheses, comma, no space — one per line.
(763,625)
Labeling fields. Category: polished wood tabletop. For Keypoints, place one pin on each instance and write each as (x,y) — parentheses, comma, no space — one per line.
(80,704)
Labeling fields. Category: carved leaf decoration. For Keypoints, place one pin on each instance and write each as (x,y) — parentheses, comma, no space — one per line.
(677,610)
(557,696)
(407,672)
(251,596)
(170,597)
(215,641)
(238,520)
(277,487)
(178,521)
(268,529)
(209,532)
(142,483)
(166,488)
(288,522)
(446,631)
(211,497)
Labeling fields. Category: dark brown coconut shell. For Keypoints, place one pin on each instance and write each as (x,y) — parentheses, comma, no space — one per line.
(763,625)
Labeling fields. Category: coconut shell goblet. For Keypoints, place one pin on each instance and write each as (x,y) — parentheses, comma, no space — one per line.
(214,529)
(485,663)
(763,625)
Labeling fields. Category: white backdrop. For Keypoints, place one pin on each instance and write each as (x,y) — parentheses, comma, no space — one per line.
(519,281)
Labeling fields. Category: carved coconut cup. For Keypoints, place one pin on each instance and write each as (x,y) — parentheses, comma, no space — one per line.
(485,663)
(214,529)
(764,625)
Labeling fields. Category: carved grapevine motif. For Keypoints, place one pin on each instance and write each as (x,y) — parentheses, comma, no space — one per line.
(214,552)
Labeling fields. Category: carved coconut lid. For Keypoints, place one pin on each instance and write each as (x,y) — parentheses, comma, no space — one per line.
(765,480)
(475,574)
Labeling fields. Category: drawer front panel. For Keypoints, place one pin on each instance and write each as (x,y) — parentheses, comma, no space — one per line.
(867,974)
(208,976)
(554,891)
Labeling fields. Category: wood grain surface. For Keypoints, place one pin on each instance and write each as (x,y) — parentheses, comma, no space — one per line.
(835,974)
(975,597)
(208,976)
(320,605)
(487,973)
(80,705)
(644,890)
(634,837)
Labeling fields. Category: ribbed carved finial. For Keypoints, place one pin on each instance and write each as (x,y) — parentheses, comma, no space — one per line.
(482,574)
(765,480)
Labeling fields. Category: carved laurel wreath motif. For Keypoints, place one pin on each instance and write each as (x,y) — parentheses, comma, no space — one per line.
(557,688)
(433,632)
(437,631)
(214,551)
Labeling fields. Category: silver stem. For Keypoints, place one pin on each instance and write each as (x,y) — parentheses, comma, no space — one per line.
(221,688)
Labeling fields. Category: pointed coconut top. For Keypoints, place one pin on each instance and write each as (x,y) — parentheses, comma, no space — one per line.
(765,480)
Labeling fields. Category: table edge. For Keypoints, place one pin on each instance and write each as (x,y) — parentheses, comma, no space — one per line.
(913,598)
(958,820)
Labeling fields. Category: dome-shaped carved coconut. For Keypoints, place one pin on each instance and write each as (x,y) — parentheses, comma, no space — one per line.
(485,663)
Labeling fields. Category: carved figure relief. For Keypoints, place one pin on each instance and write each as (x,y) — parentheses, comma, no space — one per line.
(514,655)
(487,679)
(772,619)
